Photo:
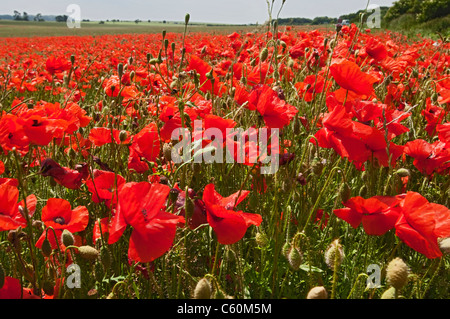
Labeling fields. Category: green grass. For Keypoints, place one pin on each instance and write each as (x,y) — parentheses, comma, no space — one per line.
(10,28)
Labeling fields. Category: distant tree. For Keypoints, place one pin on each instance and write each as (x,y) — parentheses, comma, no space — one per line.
(61,18)
(101,22)
(433,9)
(164,21)
(17,15)
(38,17)
(137,21)
(421,10)
(25,16)
(323,20)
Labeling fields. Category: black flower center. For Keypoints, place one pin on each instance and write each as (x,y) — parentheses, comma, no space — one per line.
(59,220)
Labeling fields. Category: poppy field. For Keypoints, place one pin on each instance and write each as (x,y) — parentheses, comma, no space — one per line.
(93,204)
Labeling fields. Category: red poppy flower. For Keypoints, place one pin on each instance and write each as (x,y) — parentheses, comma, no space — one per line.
(349,76)
(41,130)
(141,205)
(203,68)
(147,143)
(337,133)
(102,135)
(198,217)
(104,185)
(11,289)
(57,65)
(59,215)
(10,217)
(64,176)
(275,111)
(375,49)
(377,214)
(429,158)
(422,224)
(310,87)
(229,225)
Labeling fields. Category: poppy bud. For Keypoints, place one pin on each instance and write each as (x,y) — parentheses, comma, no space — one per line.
(203,289)
(149,56)
(88,252)
(389,293)
(72,59)
(46,248)
(264,54)
(210,75)
(333,254)
(186,18)
(345,192)
(397,273)
(166,44)
(67,238)
(317,166)
(261,239)
(173,194)
(403,172)
(285,249)
(318,292)
(123,135)
(295,258)
(2,276)
(301,179)
(120,70)
(48,287)
(363,191)
(14,239)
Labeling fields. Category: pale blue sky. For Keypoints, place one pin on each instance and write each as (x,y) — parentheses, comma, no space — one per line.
(214,11)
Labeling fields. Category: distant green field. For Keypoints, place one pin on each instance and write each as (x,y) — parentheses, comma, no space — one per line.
(9,28)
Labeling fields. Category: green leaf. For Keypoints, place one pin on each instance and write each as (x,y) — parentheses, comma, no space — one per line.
(307,268)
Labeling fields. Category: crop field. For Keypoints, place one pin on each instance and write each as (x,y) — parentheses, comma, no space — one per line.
(184,161)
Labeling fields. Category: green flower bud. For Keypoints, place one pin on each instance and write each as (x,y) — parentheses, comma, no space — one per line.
(67,238)
(88,252)
(203,289)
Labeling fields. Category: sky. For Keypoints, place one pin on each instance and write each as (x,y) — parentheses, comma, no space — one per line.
(212,11)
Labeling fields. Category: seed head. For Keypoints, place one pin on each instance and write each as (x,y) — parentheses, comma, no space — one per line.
(333,254)
(88,252)
(261,239)
(203,289)
(295,258)
(397,273)
(318,292)
(389,293)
